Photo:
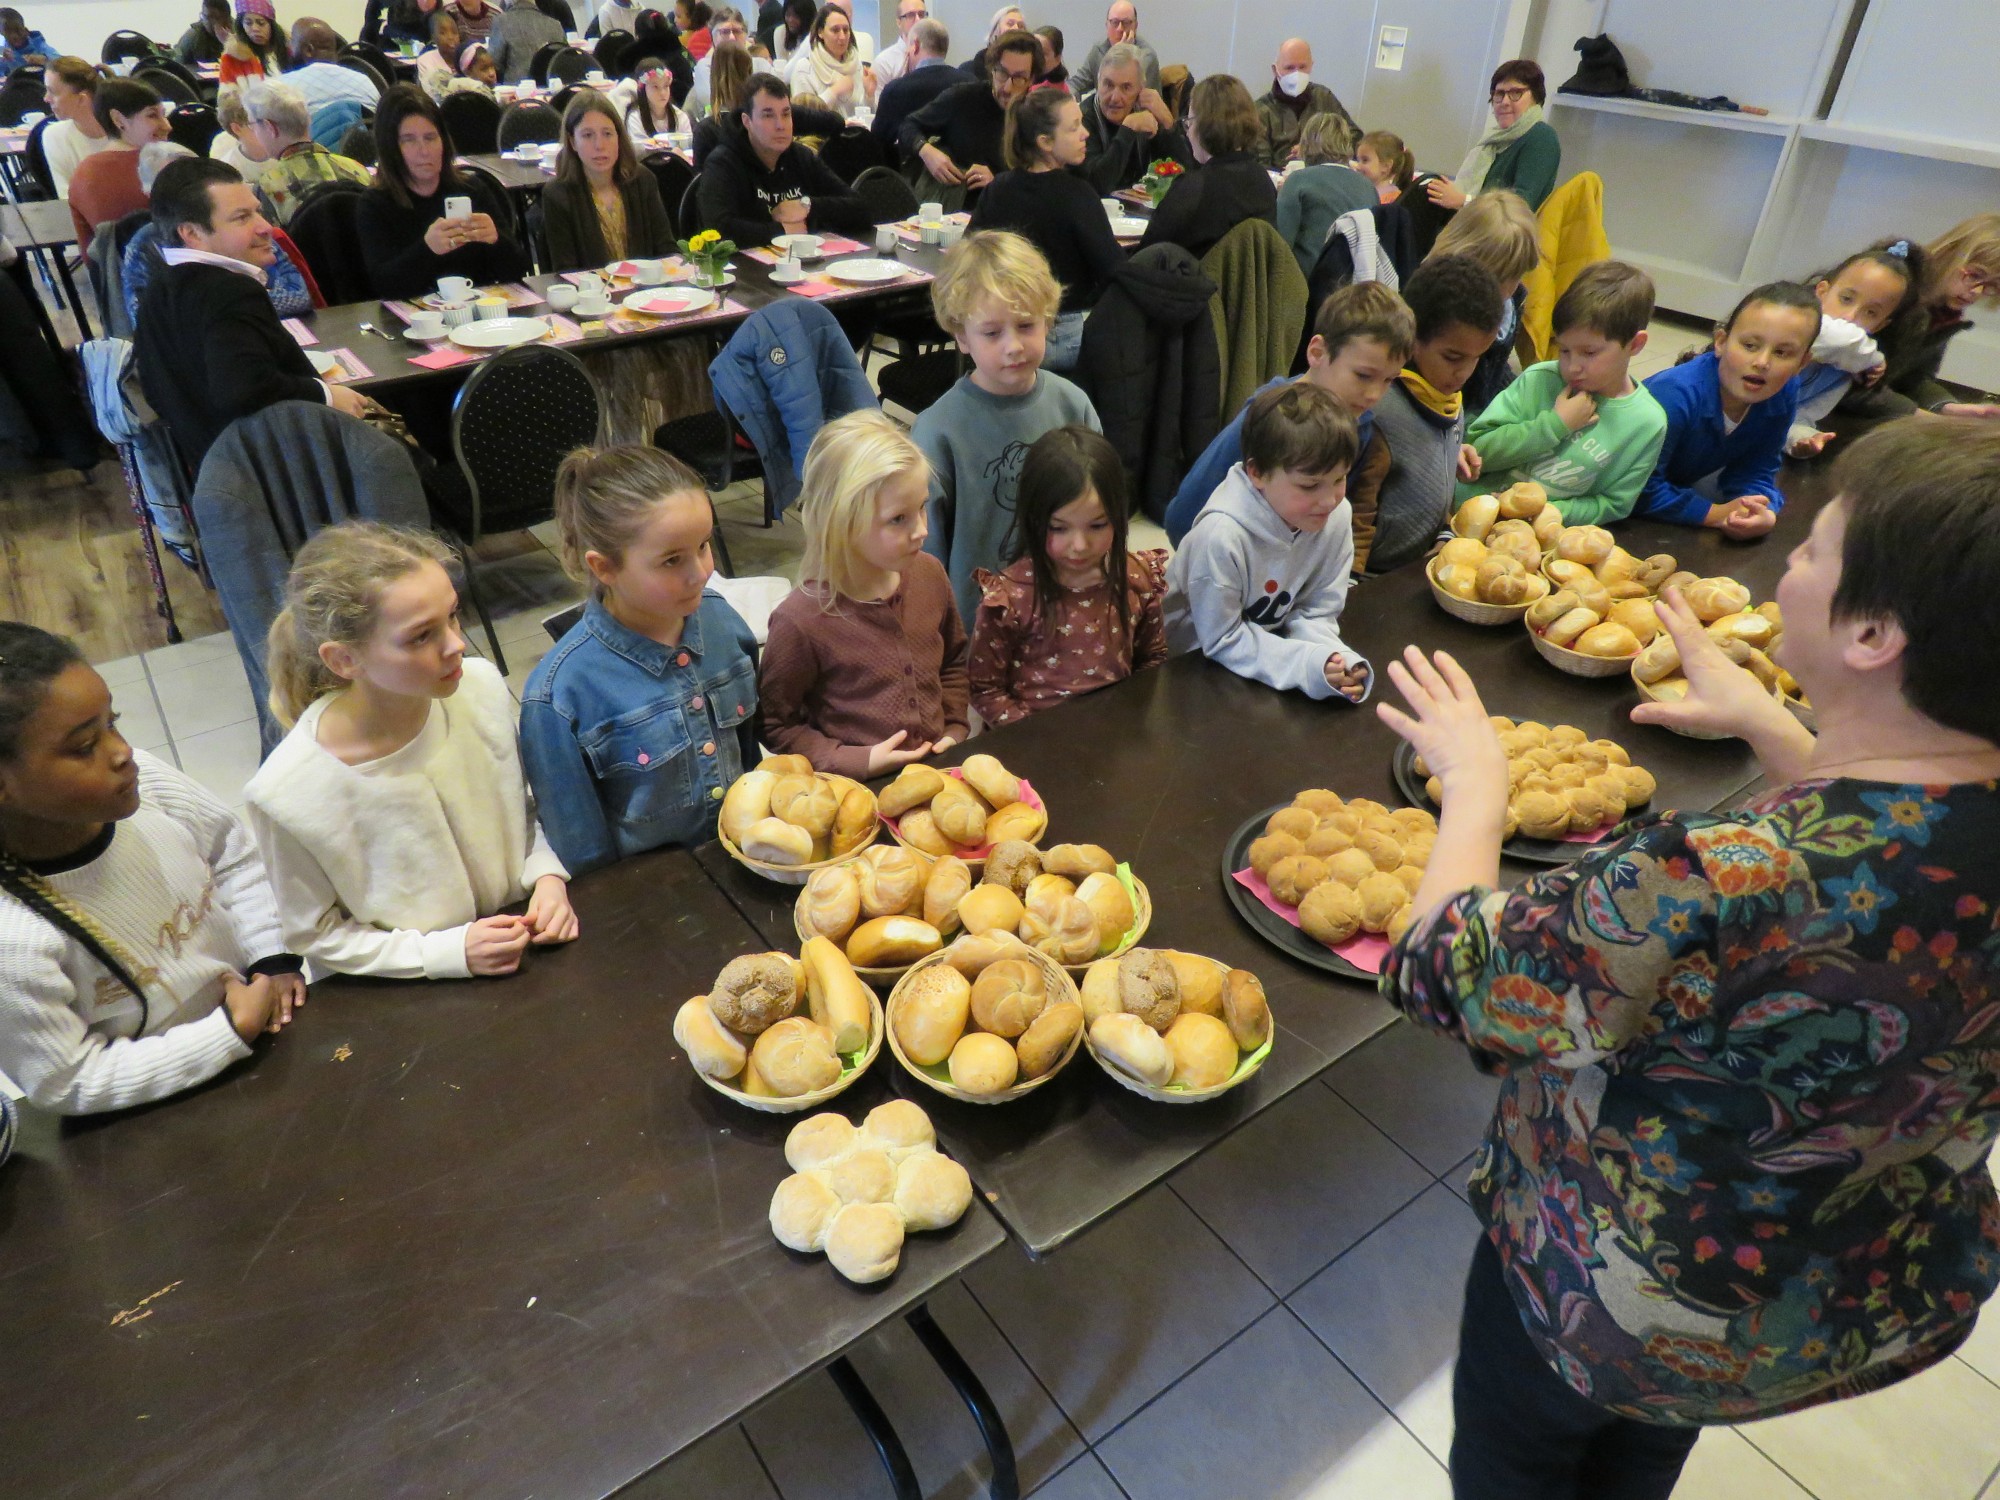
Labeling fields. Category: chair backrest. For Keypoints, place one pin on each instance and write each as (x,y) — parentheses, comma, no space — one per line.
(193,126)
(538,65)
(21,94)
(372,54)
(357,143)
(525,120)
(672,175)
(559,101)
(571,65)
(515,420)
(356,63)
(889,198)
(687,218)
(37,153)
(323,227)
(121,45)
(614,51)
(473,118)
(509,222)
(853,152)
(166,82)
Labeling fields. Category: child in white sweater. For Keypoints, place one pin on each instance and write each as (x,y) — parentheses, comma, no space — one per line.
(140,952)
(394,815)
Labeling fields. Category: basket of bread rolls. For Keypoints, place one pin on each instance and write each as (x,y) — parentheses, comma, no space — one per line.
(885,908)
(1344,867)
(1745,635)
(1490,571)
(1174,1027)
(781,1034)
(784,819)
(1599,611)
(856,1191)
(986,1020)
(964,811)
(1560,781)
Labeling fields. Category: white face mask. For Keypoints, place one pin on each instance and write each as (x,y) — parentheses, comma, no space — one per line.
(1295,84)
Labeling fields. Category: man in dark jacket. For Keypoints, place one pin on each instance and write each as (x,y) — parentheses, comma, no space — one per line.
(1292,100)
(1128,125)
(210,346)
(958,133)
(929,75)
(757,184)
(202,42)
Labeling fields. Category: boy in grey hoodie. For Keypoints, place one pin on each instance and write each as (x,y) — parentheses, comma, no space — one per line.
(1259,581)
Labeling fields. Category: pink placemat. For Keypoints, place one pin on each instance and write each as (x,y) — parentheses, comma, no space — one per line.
(819,286)
(1364,950)
(350,367)
(305,336)
(830,245)
(1028,795)
(515,295)
(912,231)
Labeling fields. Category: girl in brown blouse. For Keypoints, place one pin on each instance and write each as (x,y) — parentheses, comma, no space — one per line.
(1052,626)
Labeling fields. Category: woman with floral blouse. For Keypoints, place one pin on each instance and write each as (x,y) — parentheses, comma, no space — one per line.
(1751,1061)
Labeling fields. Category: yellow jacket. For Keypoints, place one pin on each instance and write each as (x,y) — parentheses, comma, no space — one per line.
(1572,237)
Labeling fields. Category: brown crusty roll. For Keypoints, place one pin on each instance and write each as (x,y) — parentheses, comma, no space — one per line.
(1047,1038)
(1148,987)
(1245,1009)
(1013,863)
(756,991)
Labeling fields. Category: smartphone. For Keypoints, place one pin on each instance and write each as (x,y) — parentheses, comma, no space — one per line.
(458,206)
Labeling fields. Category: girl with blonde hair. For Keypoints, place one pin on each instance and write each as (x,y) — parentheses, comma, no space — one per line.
(394,816)
(639,719)
(865,668)
(1500,232)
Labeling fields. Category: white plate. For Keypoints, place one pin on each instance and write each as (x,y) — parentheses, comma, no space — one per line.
(499,333)
(666,302)
(426,338)
(865,269)
(1128,229)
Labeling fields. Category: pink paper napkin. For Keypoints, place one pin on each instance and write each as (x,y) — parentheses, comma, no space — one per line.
(1592,837)
(305,336)
(443,358)
(1364,950)
(815,288)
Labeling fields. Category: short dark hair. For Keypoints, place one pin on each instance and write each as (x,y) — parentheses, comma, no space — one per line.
(1522,70)
(761,84)
(30,659)
(1608,297)
(1366,310)
(1300,428)
(1013,41)
(180,195)
(1923,549)
(128,96)
(1778,294)
(1451,289)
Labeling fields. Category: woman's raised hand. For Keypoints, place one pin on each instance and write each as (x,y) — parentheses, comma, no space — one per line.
(1446,724)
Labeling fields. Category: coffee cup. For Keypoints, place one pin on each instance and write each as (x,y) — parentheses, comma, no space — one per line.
(592,304)
(456,314)
(597,78)
(454,288)
(950,233)
(428,323)
(561,296)
(491,307)
(649,272)
(788,269)
(801,246)
(930,213)
(885,240)
(1113,209)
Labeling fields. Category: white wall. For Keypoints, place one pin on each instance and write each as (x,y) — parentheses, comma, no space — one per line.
(80,26)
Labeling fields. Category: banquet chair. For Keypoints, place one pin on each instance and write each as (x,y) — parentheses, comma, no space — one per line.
(472,119)
(522,122)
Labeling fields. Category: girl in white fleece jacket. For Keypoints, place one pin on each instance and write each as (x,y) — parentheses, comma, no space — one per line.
(394,815)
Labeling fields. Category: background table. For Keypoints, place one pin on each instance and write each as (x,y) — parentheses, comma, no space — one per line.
(41,228)
(489,1238)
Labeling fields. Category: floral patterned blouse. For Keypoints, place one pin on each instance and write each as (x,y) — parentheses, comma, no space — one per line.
(1738,1164)
(1022,663)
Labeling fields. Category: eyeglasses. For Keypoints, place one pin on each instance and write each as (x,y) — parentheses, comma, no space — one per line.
(912,15)
(1510,96)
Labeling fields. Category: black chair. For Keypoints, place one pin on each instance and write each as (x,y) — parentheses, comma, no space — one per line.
(358,144)
(514,421)
(560,623)
(889,198)
(122,46)
(916,381)
(38,159)
(21,94)
(354,62)
(473,120)
(673,176)
(687,218)
(167,83)
(571,65)
(372,54)
(524,121)
(323,227)
(715,446)
(853,152)
(614,51)
(538,65)
(193,126)
(559,102)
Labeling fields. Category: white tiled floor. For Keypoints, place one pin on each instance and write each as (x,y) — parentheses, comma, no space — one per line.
(1260,1327)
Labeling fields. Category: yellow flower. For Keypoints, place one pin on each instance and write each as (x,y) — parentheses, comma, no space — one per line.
(703,240)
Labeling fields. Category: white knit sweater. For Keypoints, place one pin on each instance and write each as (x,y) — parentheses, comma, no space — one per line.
(181,888)
(381,867)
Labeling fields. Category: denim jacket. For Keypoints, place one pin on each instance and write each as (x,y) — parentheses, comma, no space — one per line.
(630,744)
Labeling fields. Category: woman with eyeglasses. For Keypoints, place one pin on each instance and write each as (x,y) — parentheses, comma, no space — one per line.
(1521,151)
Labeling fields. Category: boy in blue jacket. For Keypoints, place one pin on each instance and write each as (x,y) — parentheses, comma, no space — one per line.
(1728,413)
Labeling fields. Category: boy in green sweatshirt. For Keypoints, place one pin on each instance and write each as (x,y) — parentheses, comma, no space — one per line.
(1579,425)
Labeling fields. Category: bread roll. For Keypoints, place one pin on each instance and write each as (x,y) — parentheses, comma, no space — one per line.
(1518,588)
(920,831)
(1246,1010)
(1639,784)
(1476,517)
(1594,597)
(1771,611)
(795,1056)
(709,1046)
(1680,580)
(801,1210)
(748,802)
(1567,574)
(988,907)
(757,991)
(865,1241)
(891,881)
(1293,822)
(914,786)
(1205,1054)
(1068,934)
(991,780)
(1111,906)
(1350,868)
(1017,821)
(1586,809)
(1045,1041)
(1606,640)
(805,802)
(854,824)
(1460,580)
(1128,1043)
(1589,545)
(1325,843)
(819,1141)
(960,815)
(1272,847)
(1660,658)
(1199,980)
(1570,626)
(1462,551)
(950,880)
(1008,995)
(1550,608)
(1496,567)
(1522,545)
(1612,751)
(891,942)
(982,1063)
(1524,499)
(932,1192)
(1617,566)
(1712,598)
(833,901)
(931,1012)
(1100,991)
(1384,850)
(1638,616)
(840,1002)
(1548,524)
(1611,789)
(1331,913)
(777,842)
(899,1127)
(970,954)
(1292,877)
(786,765)
(1045,892)
(1655,570)
(1380,896)
(865,1175)
(1076,861)
(1746,626)
(1148,987)
(1543,815)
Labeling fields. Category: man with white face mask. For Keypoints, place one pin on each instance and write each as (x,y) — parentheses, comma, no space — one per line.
(1294,99)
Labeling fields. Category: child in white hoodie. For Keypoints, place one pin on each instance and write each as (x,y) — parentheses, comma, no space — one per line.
(1259,581)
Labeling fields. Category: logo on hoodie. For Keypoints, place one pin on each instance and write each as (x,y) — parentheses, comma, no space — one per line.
(1270,611)
(1005,472)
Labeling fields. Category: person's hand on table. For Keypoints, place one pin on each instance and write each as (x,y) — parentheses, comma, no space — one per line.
(494,945)
(1469,462)
(1753,517)
(1349,679)
(888,755)
(1723,698)
(550,917)
(1444,193)
(288,991)
(978,176)
(252,1005)
(940,166)
(1576,409)
(791,213)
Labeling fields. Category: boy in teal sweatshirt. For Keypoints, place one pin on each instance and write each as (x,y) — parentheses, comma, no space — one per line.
(1579,425)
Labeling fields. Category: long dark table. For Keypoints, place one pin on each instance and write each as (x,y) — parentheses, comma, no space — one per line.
(1162,768)
(489,1238)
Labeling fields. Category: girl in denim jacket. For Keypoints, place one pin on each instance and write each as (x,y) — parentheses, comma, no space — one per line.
(637,721)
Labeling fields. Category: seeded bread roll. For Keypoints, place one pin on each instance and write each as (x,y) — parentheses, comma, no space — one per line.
(865,1241)
(1148,988)
(1045,1041)
(711,1049)
(1131,1045)
(991,780)
(1077,861)
(931,1013)
(914,786)
(756,991)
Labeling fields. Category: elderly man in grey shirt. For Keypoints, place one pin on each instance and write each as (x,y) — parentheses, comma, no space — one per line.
(1121,27)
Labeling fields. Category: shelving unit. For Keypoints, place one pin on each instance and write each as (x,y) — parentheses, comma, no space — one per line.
(1716,119)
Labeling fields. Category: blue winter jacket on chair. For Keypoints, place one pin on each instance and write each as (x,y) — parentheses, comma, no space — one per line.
(786,373)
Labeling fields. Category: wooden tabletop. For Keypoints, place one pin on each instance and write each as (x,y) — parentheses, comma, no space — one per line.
(483,1238)
(38,224)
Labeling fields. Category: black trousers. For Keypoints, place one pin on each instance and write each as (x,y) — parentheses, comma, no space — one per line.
(1523,1434)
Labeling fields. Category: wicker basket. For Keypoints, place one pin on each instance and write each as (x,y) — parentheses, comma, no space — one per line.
(1247,1064)
(800,874)
(1575,662)
(977,862)
(1061,988)
(1472,611)
(792,1106)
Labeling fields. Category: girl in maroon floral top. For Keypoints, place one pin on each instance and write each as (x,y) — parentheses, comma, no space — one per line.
(1051,626)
